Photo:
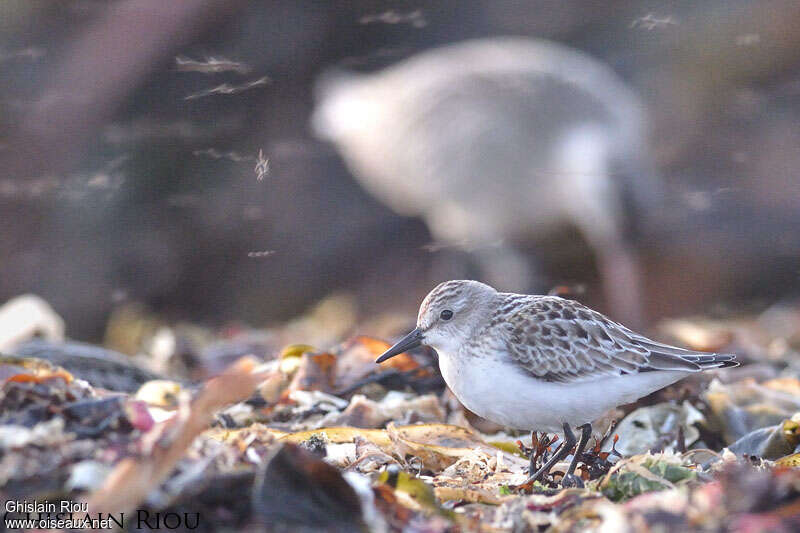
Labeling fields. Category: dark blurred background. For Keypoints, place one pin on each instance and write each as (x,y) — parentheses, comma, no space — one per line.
(128,173)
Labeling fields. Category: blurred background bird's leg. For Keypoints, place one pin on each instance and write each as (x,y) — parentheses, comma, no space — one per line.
(508,269)
(491,258)
(593,201)
(618,266)
(620,273)
(619,270)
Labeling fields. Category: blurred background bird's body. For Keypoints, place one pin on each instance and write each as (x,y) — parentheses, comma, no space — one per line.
(498,142)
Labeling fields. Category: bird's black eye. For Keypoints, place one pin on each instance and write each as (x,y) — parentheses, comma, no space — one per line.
(446,314)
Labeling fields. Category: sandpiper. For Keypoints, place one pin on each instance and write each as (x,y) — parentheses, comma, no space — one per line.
(497,142)
(542,362)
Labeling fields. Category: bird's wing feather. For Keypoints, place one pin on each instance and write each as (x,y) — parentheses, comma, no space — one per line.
(562,340)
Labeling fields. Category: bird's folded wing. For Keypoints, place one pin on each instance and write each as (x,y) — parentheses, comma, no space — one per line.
(561,340)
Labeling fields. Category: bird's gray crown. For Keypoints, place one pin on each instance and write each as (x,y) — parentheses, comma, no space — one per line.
(455,295)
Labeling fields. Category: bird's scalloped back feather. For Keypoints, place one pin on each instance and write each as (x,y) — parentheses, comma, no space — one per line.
(562,340)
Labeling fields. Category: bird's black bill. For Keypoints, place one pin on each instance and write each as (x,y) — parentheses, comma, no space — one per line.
(412,340)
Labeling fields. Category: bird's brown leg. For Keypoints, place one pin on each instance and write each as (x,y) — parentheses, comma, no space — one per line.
(569,479)
(560,453)
(621,277)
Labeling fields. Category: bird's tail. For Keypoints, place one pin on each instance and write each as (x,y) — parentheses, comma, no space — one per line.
(707,361)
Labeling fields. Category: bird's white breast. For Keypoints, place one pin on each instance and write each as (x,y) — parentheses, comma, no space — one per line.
(492,387)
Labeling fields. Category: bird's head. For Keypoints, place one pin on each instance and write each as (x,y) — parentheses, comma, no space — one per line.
(448,317)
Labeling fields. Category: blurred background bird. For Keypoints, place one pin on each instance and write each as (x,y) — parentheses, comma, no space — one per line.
(131,133)
(497,143)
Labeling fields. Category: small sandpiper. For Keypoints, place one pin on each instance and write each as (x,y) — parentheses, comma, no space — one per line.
(542,362)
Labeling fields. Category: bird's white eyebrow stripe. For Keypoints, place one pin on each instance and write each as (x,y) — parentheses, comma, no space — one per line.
(444,292)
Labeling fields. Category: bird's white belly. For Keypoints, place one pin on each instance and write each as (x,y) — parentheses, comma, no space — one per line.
(496,390)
